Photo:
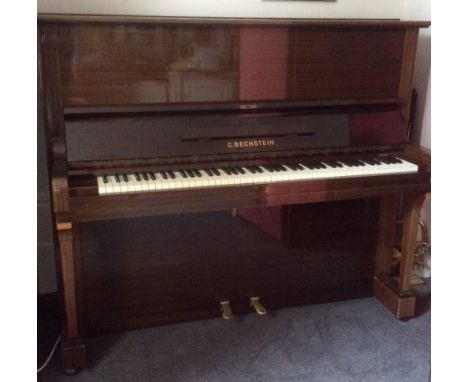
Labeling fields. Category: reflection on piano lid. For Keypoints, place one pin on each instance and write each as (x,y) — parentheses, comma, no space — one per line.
(236,175)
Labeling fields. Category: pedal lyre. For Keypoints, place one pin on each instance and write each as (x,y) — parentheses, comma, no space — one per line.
(226,310)
(259,308)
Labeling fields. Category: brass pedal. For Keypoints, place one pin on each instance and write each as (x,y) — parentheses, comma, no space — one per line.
(259,308)
(226,310)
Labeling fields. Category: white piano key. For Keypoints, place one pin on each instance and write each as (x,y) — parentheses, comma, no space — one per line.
(145,184)
(211,180)
(101,186)
(172,183)
(123,186)
(159,182)
(152,182)
(113,187)
(178,181)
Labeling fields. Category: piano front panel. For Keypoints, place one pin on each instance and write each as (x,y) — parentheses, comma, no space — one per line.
(125,64)
(179,267)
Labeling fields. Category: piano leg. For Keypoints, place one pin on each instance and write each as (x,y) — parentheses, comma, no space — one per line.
(411,213)
(396,295)
(73,347)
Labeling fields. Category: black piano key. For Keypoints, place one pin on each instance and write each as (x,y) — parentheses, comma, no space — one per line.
(190,173)
(300,167)
(163,174)
(396,160)
(215,171)
(385,160)
(312,166)
(183,173)
(117,178)
(171,174)
(369,161)
(233,170)
(349,163)
(240,169)
(145,177)
(104,178)
(259,169)
(125,177)
(332,163)
(291,166)
(282,168)
(152,175)
(137,176)
(251,169)
(208,171)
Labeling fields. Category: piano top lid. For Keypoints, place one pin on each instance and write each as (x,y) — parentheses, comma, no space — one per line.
(335,23)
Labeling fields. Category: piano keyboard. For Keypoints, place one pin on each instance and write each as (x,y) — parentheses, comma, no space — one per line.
(245,175)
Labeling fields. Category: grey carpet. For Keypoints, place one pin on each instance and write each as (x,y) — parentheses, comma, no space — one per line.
(356,340)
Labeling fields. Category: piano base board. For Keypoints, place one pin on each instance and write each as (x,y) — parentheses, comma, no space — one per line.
(402,307)
(74,355)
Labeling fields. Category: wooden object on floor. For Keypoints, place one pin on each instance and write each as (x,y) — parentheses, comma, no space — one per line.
(401,305)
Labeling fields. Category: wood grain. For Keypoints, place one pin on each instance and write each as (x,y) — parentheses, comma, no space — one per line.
(411,213)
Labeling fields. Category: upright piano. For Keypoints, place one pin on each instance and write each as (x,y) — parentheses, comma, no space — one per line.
(208,167)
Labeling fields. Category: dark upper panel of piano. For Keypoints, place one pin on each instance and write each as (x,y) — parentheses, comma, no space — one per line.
(111,79)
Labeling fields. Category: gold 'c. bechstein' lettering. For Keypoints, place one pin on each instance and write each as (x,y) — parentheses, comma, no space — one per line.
(250,143)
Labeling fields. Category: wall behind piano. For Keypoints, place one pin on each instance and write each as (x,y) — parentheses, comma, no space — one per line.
(229,8)
(409,9)
(421,10)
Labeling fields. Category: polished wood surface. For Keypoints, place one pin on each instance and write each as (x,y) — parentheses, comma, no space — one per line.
(180,277)
(121,64)
(387,229)
(126,94)
(175,136)
(411,211)
(354,222)
(402,306)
